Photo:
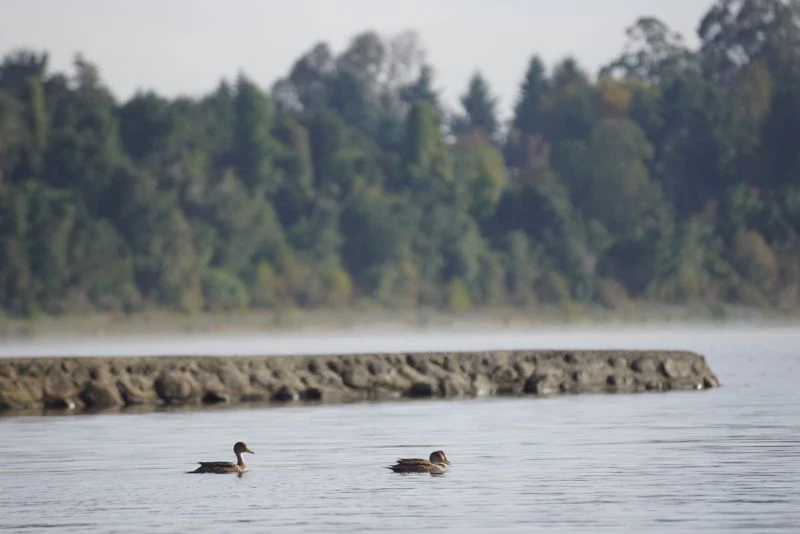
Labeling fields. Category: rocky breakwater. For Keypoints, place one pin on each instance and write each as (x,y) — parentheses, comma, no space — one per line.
(80,384)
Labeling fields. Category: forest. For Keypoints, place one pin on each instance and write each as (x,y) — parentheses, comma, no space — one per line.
(672,175)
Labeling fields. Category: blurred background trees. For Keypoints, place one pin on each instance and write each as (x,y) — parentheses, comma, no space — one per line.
(671,176)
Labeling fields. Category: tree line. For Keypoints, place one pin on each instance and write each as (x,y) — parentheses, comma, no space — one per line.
(672,175)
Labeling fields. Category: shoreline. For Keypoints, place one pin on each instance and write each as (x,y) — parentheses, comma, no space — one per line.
(160,322)
(71,385)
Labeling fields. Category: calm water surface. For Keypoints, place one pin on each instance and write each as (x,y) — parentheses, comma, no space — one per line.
(713,461)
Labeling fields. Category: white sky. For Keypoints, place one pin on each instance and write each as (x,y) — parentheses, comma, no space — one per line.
(186,46)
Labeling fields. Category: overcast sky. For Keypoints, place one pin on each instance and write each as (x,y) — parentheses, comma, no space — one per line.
(186,46)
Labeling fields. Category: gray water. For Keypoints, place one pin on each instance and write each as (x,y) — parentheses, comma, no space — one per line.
(713,461)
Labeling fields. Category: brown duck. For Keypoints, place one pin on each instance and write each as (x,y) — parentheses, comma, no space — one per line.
(436,464)
(226,467)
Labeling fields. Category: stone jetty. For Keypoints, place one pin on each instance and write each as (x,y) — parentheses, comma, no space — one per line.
(74,385)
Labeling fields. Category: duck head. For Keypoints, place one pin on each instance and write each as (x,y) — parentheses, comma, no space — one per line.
(438,457)
(241,447)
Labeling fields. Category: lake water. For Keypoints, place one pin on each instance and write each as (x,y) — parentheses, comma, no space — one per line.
(713,461)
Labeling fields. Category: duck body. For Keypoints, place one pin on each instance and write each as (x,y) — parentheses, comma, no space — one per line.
(226,467)
(220,467)
(436,464)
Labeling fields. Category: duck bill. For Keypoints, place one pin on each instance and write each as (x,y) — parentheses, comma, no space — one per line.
(248,450)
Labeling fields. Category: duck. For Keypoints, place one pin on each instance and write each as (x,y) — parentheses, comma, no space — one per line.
(240,467)
(436,464)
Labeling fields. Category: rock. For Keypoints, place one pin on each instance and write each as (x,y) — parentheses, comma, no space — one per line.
(100,374)
(524,369)
(6,370)
(618,362)
(621,382)
(335,366)
(262,378)
(330,379)
(377,367)
(581,377)
(395,385)
(419,363)
(57,383)
(482,386)
(137,390)
(286,394)
(644,365)
(17,393)
(215,397)
(232,380)
(550,371)
(420,389)
(507,380)
(546,380)
(174,387)
(356,377)
(101,395)
(454,385)
(710,382)
(504,374)
(676,368)
(30,369)
(542,385)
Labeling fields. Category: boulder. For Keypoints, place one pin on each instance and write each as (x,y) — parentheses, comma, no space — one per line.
(175,387)
(99,395)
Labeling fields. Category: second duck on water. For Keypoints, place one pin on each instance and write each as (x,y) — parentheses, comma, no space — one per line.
(436,464)
(239,448)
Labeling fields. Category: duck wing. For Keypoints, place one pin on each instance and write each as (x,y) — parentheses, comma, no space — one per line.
(216,465)
(412,461)
(411,465)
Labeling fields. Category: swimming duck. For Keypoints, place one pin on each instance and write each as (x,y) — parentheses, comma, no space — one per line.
(226,467)
(436,464)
